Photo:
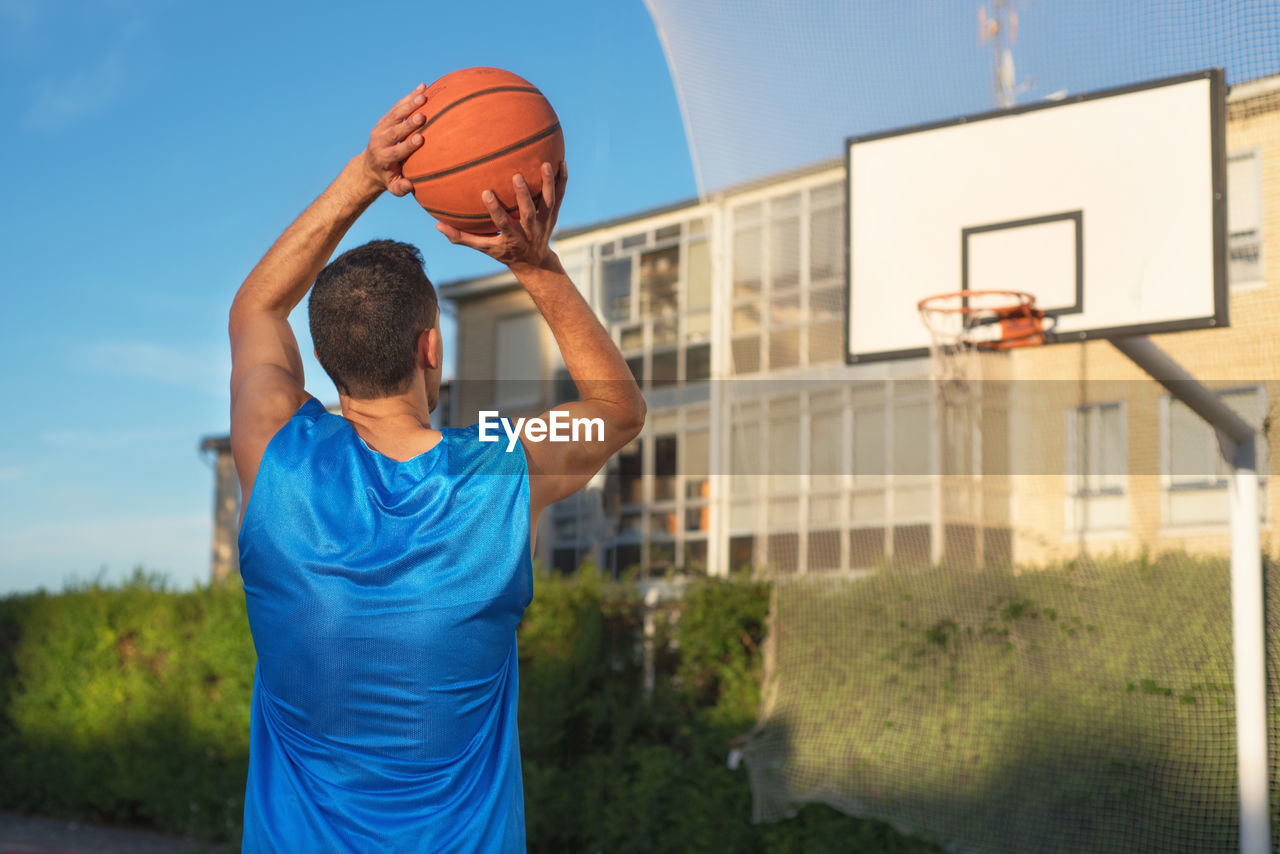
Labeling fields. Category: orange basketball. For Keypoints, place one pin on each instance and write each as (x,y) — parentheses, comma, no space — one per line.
(482,126)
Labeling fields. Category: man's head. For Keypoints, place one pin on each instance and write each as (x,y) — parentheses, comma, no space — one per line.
(368,310)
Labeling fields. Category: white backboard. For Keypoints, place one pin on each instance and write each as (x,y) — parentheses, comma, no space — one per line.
(1109,207)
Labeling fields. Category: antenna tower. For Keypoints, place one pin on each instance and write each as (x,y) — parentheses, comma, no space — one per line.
(999,28)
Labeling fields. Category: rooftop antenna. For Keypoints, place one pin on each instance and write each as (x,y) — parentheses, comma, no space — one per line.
(999,27)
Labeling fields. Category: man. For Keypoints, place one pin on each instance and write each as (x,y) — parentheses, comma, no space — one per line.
(386,563)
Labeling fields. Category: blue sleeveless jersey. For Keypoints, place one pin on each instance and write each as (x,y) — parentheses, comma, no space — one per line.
(383,597)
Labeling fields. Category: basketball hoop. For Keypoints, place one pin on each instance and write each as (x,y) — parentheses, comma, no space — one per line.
(964,323)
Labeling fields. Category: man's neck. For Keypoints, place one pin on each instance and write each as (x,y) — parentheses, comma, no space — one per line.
(398,427)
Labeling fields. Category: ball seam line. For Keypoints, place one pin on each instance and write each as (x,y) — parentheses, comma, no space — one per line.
(477,94)
(542,134)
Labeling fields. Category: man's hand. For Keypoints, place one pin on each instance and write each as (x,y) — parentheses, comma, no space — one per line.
(391,142)
(523,245)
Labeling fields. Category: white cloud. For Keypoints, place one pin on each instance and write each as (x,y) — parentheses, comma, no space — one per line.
(207,370)
(58,102)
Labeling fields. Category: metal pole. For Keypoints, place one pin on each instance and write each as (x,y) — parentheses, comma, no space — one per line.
(1237,441)
(1249,624)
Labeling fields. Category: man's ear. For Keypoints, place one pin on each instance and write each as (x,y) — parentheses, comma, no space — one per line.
(430,348)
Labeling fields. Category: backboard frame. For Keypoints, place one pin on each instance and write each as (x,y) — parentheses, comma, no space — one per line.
(1218,317)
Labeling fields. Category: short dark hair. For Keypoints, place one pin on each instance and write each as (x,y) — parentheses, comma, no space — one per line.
(367,309)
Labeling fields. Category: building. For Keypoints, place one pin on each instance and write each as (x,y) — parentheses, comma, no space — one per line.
(763,449)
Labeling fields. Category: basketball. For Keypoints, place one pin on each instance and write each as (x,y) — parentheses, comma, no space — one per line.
(481,126)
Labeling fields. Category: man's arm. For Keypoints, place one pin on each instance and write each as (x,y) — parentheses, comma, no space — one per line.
(607,388)
(266,367)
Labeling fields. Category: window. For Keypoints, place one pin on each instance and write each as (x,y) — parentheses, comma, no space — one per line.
(630,474)
(699,273)
(1097,450)
(788,280)
(664,468)
(1097,468)
(1195,473)
(1244,218)
(655,294)
(617,289)
(519,368)
(659,277)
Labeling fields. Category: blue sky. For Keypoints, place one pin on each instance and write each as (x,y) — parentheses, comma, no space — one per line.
(153,150)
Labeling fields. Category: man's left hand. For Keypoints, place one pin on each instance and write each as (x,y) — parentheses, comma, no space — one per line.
(392,140)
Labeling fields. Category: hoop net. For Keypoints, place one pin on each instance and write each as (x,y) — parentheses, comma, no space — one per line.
(962,324)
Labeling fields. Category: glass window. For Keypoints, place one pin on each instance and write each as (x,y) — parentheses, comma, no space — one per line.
(742,552)
(784,552)
(911,444)
(667,232)
(1097,449)
(636,364)
(665,456)
(696,465)
(665,366)
(625,557)
(826,430)
(698,274)
(697,327)
(519,358)
(784,348)
(1244,218)
(659,277)
(868,443)
(630,474)
(826,342)
(631,338)
(747,261)
(824,549)
(827,194)
(784,445)
(826,245)
(1192,456)
(697,363)
(664,331)
(745,444)
(784,252)
(746,354)
(826,304)
(617,289)
(634,240)
(785,311)
(695,556)
(746,318)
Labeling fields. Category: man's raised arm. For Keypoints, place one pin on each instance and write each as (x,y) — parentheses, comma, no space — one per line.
(608,390)
(266,367)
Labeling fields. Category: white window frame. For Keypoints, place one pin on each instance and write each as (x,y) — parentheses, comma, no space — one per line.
(1253,187)
(1092,508)
(527,391)
(1183,491)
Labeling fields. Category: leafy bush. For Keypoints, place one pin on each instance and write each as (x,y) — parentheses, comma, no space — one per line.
(127,705)
(131,705)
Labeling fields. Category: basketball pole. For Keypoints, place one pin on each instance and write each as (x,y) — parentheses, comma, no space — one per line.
(1237,441)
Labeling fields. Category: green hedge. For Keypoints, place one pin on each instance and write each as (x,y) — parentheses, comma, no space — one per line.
(131,705)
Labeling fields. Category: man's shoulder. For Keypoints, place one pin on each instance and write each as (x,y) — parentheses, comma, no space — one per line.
(485,448)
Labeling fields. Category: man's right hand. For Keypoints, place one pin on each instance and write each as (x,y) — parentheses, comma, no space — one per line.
(523,246)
